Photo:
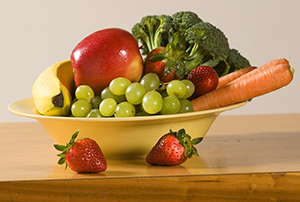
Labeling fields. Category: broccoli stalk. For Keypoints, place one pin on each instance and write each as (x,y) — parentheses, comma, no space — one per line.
(152,31)
(208,46)
(176,48)
(203,43)
(200,44)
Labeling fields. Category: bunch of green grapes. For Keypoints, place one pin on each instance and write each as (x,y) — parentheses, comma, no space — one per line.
(86,104)
(123,98)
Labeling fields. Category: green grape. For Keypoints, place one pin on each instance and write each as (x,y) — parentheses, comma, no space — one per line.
(135,93)
(96,102)
(190,88)
(176,88)
(171,105)
(152,102)
(164,94)
(74,100)
(150,81)
(185,106)
(125,109)
(106,93)
(84,92)
(81,108)
(94,113)
(107,107)
(118,85)
(139,111)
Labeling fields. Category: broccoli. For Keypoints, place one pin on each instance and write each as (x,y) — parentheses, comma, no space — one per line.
(208,46)
(237,61)
(183,20)
(152,31)
(189,42)
(198,42)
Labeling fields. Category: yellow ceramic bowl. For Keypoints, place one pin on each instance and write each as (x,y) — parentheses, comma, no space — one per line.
(121,137)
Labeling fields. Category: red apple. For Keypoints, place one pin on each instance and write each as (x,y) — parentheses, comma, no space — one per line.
(105,55)
(158,66)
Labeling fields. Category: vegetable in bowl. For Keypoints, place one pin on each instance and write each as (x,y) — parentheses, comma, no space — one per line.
(189,41)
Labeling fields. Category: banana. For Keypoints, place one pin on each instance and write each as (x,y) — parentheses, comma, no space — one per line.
(52,89)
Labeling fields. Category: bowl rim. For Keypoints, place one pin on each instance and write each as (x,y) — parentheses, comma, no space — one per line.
(27,103)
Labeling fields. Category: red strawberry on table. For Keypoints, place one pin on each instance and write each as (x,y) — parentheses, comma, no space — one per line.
(82,155)
(204,78)
(172,149)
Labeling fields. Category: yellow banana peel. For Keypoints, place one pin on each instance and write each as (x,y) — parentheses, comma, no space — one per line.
(52,90)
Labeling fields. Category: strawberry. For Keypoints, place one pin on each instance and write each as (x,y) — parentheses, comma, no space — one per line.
(172,149)
(82,155)
(204,78)
(156,62)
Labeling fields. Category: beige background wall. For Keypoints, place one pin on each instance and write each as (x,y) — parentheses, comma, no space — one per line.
(35,34)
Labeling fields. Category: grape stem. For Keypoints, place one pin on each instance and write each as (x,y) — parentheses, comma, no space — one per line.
(163,86)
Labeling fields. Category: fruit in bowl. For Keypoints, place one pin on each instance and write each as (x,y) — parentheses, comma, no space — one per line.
(105,55)
(125,108)
(52,90)
(135,136)
(128,137)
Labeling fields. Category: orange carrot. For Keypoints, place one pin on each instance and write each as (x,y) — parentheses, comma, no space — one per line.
(224,80)
(265,79)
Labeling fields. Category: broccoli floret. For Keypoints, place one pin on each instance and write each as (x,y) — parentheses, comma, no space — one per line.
(152,31)
(208,46)
(183,20)
(237,61)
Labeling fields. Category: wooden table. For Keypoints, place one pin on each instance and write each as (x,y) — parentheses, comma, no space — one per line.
(242,158)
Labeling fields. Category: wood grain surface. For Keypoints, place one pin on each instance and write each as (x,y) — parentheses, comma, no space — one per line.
(242,158)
